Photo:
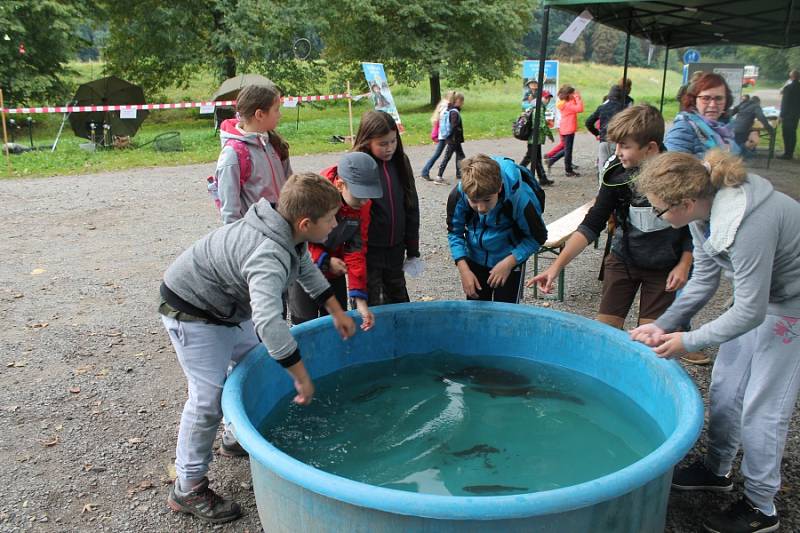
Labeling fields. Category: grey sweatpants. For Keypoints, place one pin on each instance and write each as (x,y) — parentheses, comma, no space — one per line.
(204,351)
(754,386)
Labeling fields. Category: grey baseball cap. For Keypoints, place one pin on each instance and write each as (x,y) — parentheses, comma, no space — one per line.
(360,172)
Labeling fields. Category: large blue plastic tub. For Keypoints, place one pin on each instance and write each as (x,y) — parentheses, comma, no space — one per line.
(294,497)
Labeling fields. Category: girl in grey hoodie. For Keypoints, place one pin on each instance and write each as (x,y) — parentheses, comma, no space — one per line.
(743,227)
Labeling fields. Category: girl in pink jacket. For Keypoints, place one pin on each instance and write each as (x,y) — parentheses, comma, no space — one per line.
(569,104)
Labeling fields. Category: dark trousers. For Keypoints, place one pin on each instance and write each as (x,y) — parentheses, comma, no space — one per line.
(789,125)
(386,281)
(448,153)
(426,170)
(533,157)
(511,292)
(568,141)
(303,308)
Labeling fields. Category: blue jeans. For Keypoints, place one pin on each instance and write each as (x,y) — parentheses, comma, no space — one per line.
(426,170)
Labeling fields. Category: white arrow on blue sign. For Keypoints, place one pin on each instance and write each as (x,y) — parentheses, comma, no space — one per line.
(691,56)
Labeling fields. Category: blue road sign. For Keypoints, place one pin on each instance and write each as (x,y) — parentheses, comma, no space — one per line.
(691,56)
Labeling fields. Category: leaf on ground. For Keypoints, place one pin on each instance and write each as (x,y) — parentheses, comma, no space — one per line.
(74,390)
(18,295)
(114,334)
(50,443)
(17,364)
(38,325)
(426,299)
(102,372)
(83,369)
(37,271)
(89,508)
(143,485)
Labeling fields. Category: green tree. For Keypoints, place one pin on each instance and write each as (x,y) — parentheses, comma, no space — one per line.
(604,43)
(158,45)
(46,29)
(462,41)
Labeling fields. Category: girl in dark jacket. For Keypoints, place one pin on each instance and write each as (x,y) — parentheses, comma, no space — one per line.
(394,226)
(454,139)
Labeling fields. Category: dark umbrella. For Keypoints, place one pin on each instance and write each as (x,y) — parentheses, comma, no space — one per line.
(230,88)
(107,91)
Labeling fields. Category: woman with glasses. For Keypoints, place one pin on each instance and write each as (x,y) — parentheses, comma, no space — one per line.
(743,227)
(702,123)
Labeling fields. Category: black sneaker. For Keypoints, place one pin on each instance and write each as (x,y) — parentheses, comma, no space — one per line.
(203,503)
(742,517)
(572,174)
(426,177)
(697,476)
(544,182)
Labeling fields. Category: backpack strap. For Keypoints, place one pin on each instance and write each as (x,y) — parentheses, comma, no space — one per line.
(243,154)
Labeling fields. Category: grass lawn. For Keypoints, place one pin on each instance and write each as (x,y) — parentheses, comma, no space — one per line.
(489,111)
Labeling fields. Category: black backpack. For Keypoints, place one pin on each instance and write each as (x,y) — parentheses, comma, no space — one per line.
(523,126)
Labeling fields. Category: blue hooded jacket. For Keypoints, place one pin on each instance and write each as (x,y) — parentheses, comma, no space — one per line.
(513,226)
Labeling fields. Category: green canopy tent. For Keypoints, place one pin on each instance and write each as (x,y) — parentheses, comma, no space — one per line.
(773,23)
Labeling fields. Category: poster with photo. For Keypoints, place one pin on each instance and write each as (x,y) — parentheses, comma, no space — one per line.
(530,73)
(379,91)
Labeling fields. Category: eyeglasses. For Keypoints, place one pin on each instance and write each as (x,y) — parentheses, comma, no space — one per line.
(706,98)
(658,213)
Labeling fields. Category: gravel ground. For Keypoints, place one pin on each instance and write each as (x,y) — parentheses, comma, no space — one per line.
(90,390)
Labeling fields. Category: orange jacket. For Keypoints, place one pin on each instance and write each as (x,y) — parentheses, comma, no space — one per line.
(569,114)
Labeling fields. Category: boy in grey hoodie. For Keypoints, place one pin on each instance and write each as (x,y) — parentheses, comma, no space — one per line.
(221,297)
(741,226)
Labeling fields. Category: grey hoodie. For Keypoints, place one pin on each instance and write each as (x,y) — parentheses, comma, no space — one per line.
(248,263)
(754,234)
(267,177)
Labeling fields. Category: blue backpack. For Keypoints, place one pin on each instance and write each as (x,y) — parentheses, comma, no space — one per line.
(445,128)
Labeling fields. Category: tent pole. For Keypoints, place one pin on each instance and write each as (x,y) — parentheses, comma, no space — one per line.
(5,133)
(664,78)
(540,76)
(788,24)
(627,49)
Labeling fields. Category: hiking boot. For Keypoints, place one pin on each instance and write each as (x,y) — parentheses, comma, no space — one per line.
(696,358)
(203,503)
(426,178)
(230,447)
(697,476)
(742,517)
(572,174)
(544,182)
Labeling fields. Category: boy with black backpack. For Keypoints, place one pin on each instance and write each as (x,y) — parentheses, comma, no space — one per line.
(647,254)
(494,224)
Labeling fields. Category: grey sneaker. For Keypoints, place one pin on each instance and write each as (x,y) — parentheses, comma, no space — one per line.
(697,476)
(439,181)
(203,503)
(230,447)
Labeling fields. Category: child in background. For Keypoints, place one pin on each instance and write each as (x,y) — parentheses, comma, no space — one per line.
(220,297)
(745,229)
(570,104)
(494,224)
(533,155)
(448,100)
(530,94)
(259,110)
(344,251)
(603,114)
(394,217)
(647,255)
(453,138)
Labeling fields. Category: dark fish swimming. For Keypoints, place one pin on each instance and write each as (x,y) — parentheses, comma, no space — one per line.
(370,394)
(528,392)
(493,489)
(486,376)
(478,449)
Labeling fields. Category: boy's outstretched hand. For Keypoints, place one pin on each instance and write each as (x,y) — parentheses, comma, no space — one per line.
(544,280)
(302,383)
(663,344)
(344,324)
(367,318)
(648,334)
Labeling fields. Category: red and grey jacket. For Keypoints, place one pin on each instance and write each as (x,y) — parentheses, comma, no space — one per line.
(347,241)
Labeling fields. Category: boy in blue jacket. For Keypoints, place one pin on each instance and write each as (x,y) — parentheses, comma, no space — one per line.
(494,224)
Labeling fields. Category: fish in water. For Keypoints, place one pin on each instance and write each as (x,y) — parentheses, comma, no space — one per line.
(370,394)
(478,449)
(528,392)
(486,376)
(493,489)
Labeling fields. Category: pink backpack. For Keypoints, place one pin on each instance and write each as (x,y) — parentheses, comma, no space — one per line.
(245,170)
(435,132)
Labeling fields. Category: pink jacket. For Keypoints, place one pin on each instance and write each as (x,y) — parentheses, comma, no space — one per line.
(569,114)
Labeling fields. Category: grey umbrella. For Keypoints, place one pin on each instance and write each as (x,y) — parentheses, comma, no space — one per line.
(107,91)
(230,88)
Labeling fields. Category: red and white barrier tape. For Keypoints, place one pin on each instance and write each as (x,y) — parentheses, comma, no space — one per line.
(180,105)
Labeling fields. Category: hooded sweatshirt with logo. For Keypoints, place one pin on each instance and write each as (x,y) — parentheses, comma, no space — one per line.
(240,271)
(266,179)
(753,233)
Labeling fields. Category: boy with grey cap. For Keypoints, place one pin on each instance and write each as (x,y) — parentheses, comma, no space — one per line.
(345,251)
